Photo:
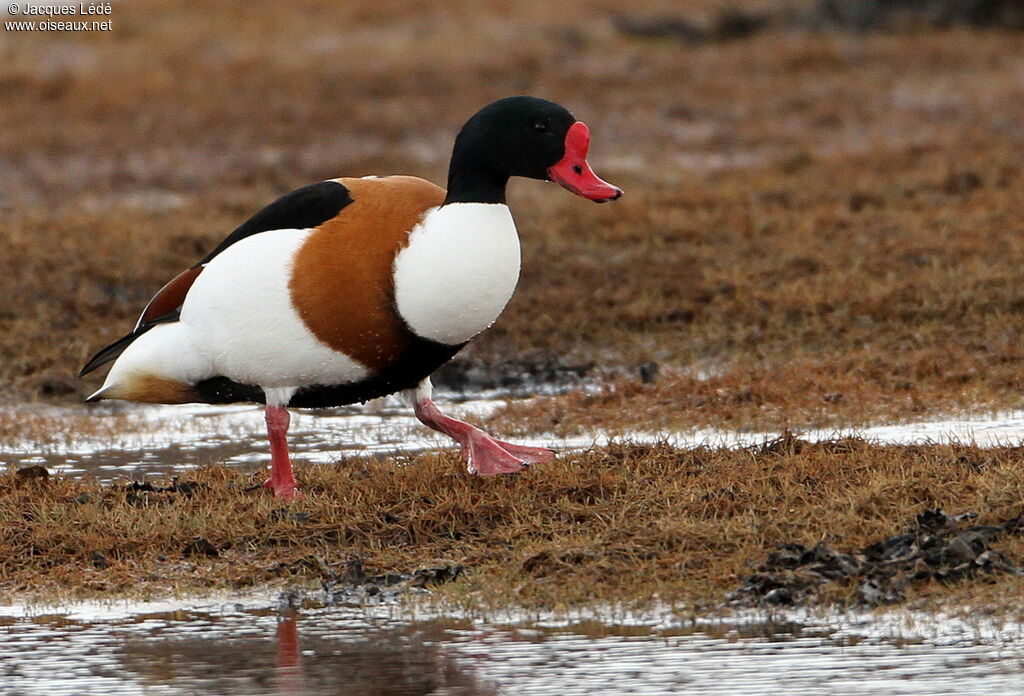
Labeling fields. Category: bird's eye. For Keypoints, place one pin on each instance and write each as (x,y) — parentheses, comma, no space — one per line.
(540,127)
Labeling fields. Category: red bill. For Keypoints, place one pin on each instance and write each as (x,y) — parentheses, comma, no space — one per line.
(574,173)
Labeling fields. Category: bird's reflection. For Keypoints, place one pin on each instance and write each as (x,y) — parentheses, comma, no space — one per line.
(289,659)
(406,660)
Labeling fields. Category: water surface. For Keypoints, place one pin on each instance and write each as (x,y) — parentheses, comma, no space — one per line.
(136,441)
(257,646)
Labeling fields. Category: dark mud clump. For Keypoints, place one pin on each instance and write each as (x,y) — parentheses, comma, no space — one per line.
(730,24)
(843,15)
(938,547)
(175,486)
(200,546)
(543,374)
(32,473)
(144,494)
(891,15)
(356,588)
(348,584)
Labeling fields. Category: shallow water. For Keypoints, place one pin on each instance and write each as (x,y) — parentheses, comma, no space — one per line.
(170,439)
(247,646)
(136,441)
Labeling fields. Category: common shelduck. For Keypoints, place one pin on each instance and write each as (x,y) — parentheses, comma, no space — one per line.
(355,288)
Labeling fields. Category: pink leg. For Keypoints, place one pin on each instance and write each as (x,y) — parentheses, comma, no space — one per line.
(482,453)
(282,480)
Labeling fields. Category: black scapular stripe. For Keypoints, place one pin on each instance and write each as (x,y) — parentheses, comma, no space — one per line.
(301,209)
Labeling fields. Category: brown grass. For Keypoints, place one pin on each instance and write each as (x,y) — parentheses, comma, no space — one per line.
(821,213)
(626,523)
(818,229)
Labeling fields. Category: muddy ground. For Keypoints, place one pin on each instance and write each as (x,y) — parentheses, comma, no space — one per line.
(821,227)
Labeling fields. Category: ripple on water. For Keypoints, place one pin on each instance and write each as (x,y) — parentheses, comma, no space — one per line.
(233,648)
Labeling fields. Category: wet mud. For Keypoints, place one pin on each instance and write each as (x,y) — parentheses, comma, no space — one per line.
(937,547)
(348,584)
(521,377)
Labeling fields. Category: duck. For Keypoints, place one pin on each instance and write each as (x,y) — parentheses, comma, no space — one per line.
(351,289)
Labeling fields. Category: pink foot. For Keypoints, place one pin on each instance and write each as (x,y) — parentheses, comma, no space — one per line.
(487,456)
(483,454)
(530,455)
(285,493)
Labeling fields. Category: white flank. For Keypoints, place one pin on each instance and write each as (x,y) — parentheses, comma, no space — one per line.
(238,321)
(458,272)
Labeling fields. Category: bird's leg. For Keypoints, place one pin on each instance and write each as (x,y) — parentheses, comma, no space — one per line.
(282,480)
(482,453)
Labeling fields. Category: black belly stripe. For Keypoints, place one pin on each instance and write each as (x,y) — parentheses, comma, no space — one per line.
(423,358)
